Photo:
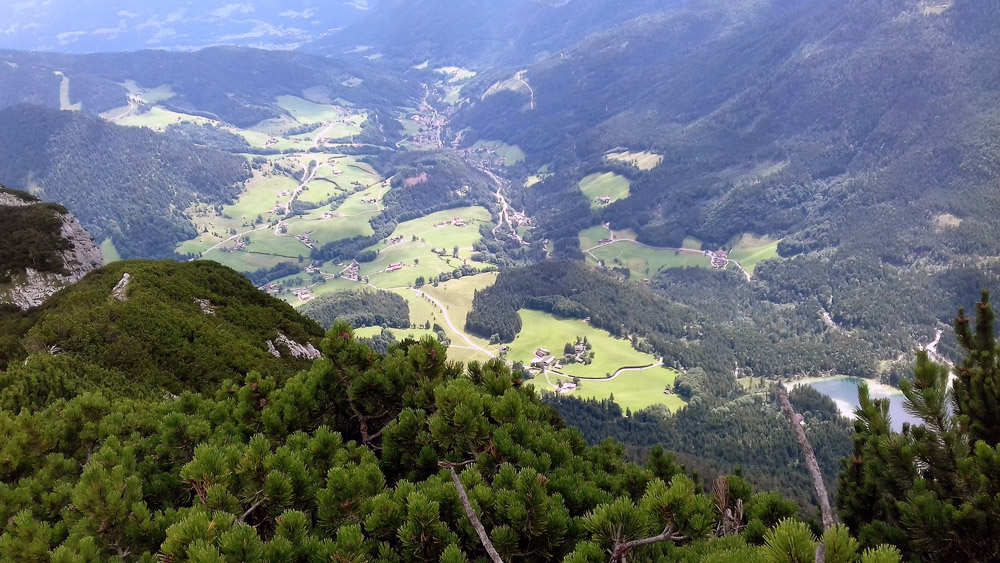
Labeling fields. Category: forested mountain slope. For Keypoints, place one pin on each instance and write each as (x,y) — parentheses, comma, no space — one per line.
(128,184)
(809,119)
(862,135)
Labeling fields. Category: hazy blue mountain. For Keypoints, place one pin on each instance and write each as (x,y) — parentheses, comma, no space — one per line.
(117,25)
(478,33)
(236,85)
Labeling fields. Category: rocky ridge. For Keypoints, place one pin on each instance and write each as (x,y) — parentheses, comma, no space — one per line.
(30,287)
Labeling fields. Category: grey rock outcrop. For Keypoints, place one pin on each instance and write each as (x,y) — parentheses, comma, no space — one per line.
(31,288)
(307,352)
(120,292)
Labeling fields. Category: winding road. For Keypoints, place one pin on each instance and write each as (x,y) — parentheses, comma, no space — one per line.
(613,376)
(451,325)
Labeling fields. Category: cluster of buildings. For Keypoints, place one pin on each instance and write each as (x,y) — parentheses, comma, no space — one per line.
(240,246)
(720,258)
(565,387)
(304,239)
(352,271)
(430,128)
(457,221)
(518,218)
(484,155)
(544,360)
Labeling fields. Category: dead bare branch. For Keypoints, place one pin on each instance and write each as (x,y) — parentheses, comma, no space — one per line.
(470,513)
(825,510)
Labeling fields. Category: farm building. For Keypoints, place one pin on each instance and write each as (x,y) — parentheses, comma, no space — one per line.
(565,387)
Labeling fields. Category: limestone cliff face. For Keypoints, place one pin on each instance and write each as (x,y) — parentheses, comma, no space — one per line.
(29,288)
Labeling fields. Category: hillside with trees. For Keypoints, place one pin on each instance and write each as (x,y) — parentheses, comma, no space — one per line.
(165,328)
(130,185)
(359,309)
(477,33)
(829,115)
(860,135)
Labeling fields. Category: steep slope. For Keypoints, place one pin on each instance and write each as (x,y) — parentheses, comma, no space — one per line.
(801,114)
(128,184)
(860,137)
(43,248)
(145,328)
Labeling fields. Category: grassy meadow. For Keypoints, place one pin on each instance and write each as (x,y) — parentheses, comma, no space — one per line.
(750,251)
(642,160)
(632,389)
(608,184)
(644,261)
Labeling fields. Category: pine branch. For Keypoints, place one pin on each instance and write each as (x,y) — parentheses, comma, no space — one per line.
(250,510)
(480,530)
(667,535)
(624,548)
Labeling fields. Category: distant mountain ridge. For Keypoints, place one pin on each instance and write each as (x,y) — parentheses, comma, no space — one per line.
(476,33)
(235,85)
(76,27)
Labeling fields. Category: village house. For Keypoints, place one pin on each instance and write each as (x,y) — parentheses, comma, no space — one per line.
(545,362)
(605,199)
(304,239)
(352,271)
(395,266)
(565,387)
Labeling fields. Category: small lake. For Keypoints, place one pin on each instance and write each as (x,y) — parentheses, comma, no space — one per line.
(844,392)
